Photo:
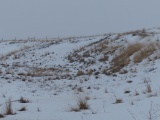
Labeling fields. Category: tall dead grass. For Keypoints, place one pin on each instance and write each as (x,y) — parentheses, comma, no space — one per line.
(123,59)
(3,57)
(139,51)
(146,51)
(82,104)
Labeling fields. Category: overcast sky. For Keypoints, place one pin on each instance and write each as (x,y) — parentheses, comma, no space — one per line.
(53,18)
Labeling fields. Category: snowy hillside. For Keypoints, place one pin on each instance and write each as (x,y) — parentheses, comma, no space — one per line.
(115,76)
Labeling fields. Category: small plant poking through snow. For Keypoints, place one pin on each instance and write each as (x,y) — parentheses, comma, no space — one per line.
(38,109)
(105,90)
(118,100)
(8,108)
(82,104)
(136,93)
(23,108)
(127,91)
(23,100)
(148,88)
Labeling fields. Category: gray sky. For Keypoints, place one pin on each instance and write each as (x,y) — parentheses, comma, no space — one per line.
(53,18)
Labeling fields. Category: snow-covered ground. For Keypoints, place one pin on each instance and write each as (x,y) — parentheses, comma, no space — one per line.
(53,74)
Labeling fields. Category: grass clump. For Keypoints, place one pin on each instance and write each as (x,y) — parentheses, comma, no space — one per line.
(8,108)
(82,104)
(23,100)
(118,100)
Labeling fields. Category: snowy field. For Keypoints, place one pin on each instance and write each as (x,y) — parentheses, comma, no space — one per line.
(117,75)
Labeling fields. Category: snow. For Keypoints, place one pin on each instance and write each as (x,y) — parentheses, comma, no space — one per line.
(51,98)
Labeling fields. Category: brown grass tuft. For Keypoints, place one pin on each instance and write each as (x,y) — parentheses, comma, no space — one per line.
(8,108)
(80,73)
(23,100)
(118,100)
(82,104)
(148,88)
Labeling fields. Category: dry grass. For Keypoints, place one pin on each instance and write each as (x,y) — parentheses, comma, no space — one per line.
(123,59)
(23,100)
(131,49)
(89,72)
(80,89)
(3,57)
(105,90)
(80,73)
(23,108)
(136,93)
(146,52)
(118,100)
(86,54)
(139,52)
(82,104)
(8,108)
(142,33)
(100,47)
(127,91)
(148,88)
(122,55)
(39,72)
(104,58)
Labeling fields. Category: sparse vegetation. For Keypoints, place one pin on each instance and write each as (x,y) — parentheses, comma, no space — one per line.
(129,81)
(145,52)
(118,100)
(152,114)
(123,59)
(105,90)
(79,73)
(38,109)
(8,108)
(23,100)
(80,89)
(103,59)
(82,104)
(127,91)
(92,68)
(23,108)
(136,93)
(148,88)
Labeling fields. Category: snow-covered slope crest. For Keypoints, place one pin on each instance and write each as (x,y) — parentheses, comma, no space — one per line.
(117,75)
